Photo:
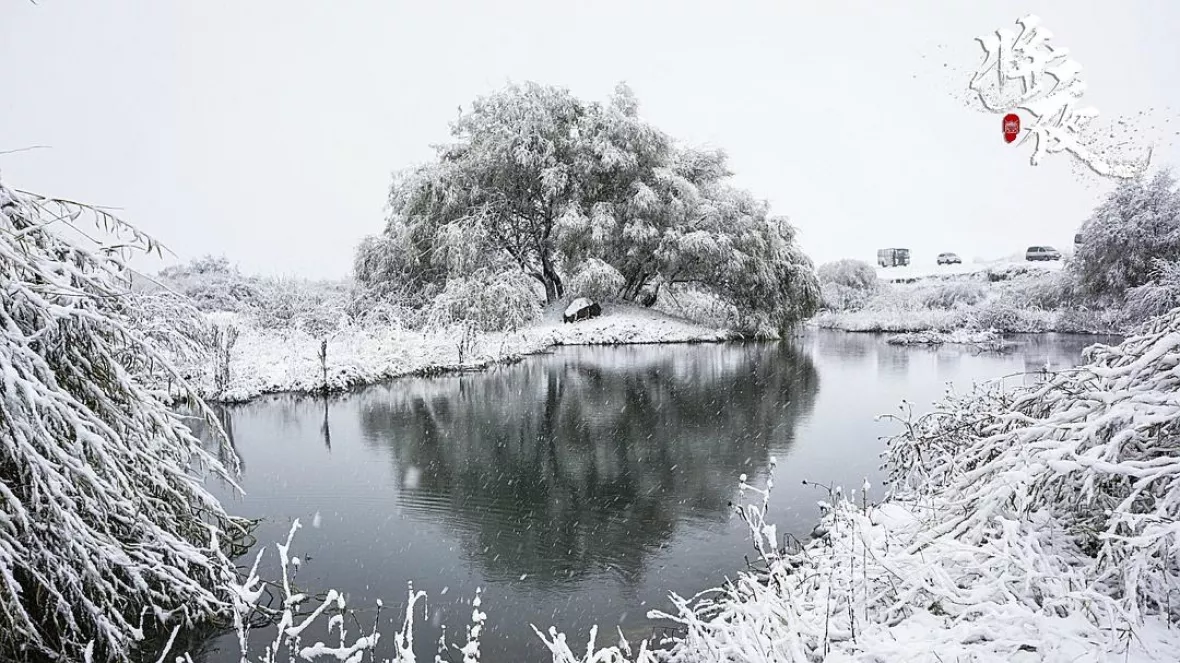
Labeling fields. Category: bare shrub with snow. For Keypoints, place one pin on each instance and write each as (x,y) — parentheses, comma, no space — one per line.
(286,629)
(105,533)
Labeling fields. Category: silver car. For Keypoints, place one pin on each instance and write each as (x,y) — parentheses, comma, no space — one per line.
(1042,253)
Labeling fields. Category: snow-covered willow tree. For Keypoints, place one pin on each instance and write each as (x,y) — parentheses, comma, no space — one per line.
(1123,240)
(106,533)
(558,187)
(497,190)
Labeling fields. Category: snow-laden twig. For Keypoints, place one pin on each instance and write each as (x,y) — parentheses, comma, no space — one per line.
(102,518)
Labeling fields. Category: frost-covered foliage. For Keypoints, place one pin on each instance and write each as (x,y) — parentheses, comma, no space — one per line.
(319,307)
(1044,290)
(490,302)
(105,533)
(856,274)
(1160,294)
(597,280)
(212,284)
(1092,451)
(1137,224)
(954,294)
(1016,299)
(1029,525)
(543,183)
(847,285)
(396,266)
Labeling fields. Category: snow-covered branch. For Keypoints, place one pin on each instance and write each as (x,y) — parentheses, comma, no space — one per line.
(106,534)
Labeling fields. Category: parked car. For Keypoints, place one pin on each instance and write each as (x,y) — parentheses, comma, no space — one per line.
(893,257)
(949,259)
(1042,253)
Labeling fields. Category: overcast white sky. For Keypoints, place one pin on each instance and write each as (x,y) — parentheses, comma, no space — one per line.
(267,130)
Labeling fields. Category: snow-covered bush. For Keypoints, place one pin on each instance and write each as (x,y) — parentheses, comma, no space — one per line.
(1093,452)
(1042,290)
(847,285)
(1011,271)
(492,302)
(837,297)
(1003,315)
(1138,223)
(1089,321)
(317,307)
(105,533)
(855,274)
(595,279)
(952,294)
(212,284)
(1160,294)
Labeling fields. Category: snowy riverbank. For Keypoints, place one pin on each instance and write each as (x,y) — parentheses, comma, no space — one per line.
(1027,526)
(264,361)
(1035,525)
(1005,297)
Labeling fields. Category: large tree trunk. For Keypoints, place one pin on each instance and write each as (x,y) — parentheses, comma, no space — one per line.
(554,288)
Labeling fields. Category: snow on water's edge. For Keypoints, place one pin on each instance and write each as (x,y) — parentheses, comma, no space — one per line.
(268,361)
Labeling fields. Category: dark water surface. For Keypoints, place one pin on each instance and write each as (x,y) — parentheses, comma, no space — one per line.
(581,486)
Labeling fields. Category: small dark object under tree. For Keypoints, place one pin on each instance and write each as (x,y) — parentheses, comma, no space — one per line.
(581,309)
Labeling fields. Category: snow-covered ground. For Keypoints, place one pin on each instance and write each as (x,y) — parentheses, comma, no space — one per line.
(926,270)
(268,361)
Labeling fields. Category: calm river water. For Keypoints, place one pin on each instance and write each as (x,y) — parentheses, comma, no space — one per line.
(581,486)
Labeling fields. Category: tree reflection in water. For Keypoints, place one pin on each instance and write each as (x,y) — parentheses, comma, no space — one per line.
(587,461)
